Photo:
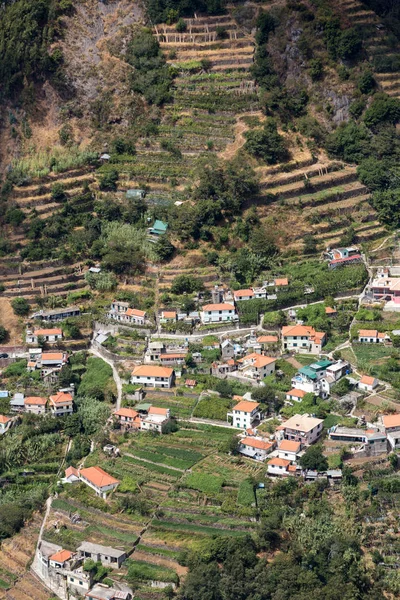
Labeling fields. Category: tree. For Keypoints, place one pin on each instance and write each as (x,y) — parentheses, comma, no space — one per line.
(313,459)
(186,284)
(267,143)
(3,334)
(20,306)
(15,216)
(58,192)
(163,248)
(108,181)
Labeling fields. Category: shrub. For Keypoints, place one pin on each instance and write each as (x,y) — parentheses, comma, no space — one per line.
(316,69)
(20,306)
(267,143)
(181,26)
(108,181)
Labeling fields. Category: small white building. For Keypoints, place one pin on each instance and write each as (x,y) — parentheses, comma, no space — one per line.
(280,466)
(60,558)
(218,313)
(100,481)
(109,557)
(155,419)
(241,295)
(257,366)
(303,429)
(153,376)
(256,448)
(372,336)
(35,405)
(244,414)
(120,311)
(61,404)
(391,424)
(50,336)
(295,395)
(289,450)
(367,383)
(302,338)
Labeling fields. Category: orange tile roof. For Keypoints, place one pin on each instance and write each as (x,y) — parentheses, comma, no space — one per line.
(154,410)
(391,420)
(368,333)
(31,364)
(169,314)
(48,332)
(279,462)
(289,446)
(258,360)
(231,361)
(71,471)
(267,339)
(98,477)
(259,444)
(52,356)
(292,468)
(245,293)
(303,330)
(190,382)
(297,393)
(4,419)
(126,412)
(367,380)
(246,406)
(134,312)
(61,556)
(61,398)
(152,371)
(237,398)
(222,306)
(282,281)
(330,311)
(177,355)
(35,400)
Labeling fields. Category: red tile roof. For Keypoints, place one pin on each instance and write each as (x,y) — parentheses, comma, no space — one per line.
(367,380)
(279,462)
(71,471)
(391,421)
(246,406)
(259,444)
(222,306)
(134,312)
(4,419)
(35,400)
(267,339)
(126,412)
(61,398)
(289,446)
(248,293)
(152,371)
(61,556)
(48,332)
(98,477)
(154,410)
(52,356)
(297,393)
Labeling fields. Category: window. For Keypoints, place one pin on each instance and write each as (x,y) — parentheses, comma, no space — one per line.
(72,579)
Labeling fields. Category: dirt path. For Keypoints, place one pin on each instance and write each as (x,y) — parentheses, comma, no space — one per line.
(116,376)
(240,128)
(294,362)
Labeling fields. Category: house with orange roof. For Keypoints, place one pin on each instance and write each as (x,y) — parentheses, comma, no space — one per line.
(242,295)
(255,447)
(302,338)
(218,313)
(278,466)
(155,419)
(35,405)
(372,336)
(128,418)
(244,414)
(295,395)
(5,423)
(330,312)
(289,450)
(168,316)
(264,340)
(97,479)
(50,336)
(60,559)
(153,376)
(367,383)
(173,358)
(281,282)
(391,424)
(71,475)
(61,404)
(122,312)
(256,366)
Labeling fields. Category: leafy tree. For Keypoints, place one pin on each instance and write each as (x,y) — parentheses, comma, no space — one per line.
(349,44)
(267,143)
(366,82)
(186,284)
(265,25)
(387,204)
(20,306)
(108,181)
(3,334)
(349,142)
(58,192)
(261,243)
(163,248)
(181,26)
(15,216)
(313,459)
(383,108)
(316,69)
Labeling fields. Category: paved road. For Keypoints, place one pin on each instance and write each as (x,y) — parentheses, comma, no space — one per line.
(116,376)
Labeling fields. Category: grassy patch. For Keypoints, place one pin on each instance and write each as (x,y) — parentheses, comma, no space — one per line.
(143,571)
(246,493)
(150,467)
(204,482)
(213,407)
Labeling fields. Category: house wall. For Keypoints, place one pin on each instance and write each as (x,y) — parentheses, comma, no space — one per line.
(35,409)
(287,455)
(162,382)
(217,316)
(393,437)
(305,438)
(275,470)
(243,420)
(256,453)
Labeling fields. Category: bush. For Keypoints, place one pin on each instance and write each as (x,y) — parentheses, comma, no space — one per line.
(181,26)
(108,181)
(3,334)
(383,109)
(186,284)
(267,144)
(20,306)
(316,69)
(15,216)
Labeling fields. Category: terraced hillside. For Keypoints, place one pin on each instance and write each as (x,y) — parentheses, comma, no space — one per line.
(380,45)
(212,89)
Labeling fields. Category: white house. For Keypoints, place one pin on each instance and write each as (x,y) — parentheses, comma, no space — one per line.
(100,481)
(372,336)
(255,448)
(295,395)
(302,338)
(128,418)
(280,466)
(60,558)
(367,383)
(314,379)
(155,419)
(218,313)
(153,376)
(303,429)
(289,450)
(51,336)
(120,311)
(241,295)
(168,316)
(392,429)
(61,404)
(257,366)
(35,405)
(71,475)
(5,423)
(244,414)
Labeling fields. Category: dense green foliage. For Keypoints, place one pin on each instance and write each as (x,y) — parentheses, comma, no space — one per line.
(169,10)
